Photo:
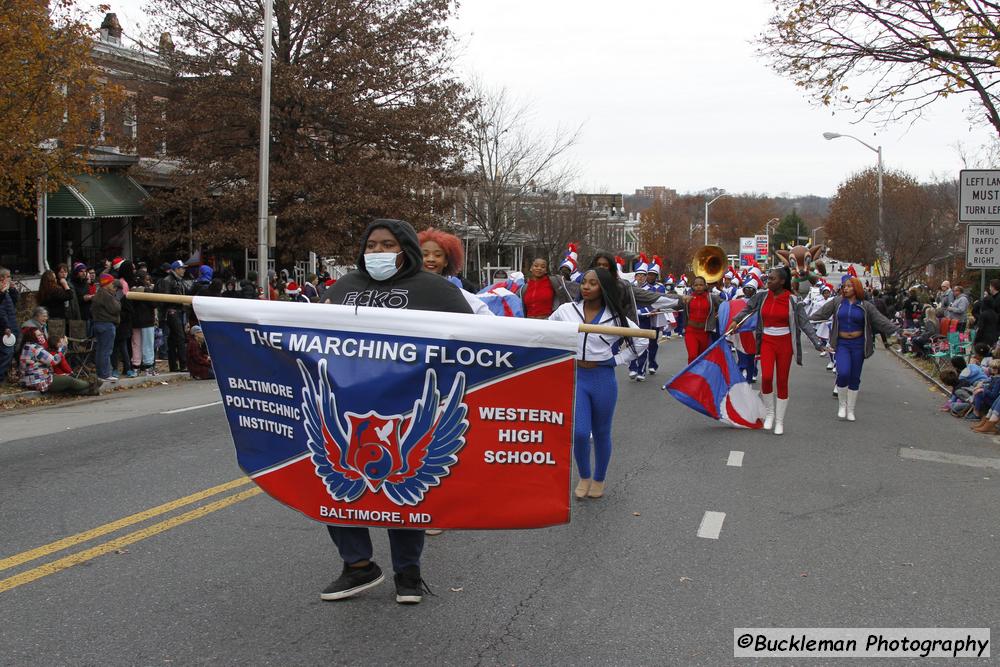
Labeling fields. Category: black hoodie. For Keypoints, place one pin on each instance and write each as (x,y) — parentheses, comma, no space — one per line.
(411,286)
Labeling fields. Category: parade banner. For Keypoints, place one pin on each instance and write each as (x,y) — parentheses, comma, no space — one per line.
(398,418)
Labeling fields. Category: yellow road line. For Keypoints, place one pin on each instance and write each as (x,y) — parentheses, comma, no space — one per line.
(72,540)
(101,549)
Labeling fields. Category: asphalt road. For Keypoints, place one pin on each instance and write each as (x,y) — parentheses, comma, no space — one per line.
(827,525)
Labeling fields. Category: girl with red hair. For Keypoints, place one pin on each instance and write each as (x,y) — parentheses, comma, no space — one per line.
(443,255)
(852,335)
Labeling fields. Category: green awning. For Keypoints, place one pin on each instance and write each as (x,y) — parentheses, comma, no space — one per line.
(112,195)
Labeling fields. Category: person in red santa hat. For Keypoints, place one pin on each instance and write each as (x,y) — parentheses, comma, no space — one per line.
(294,292)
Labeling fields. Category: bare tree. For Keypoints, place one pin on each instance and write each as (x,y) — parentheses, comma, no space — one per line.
(889,60)
(510,160)
(552,221)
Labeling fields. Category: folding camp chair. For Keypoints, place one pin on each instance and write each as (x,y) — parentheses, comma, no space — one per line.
(81,350)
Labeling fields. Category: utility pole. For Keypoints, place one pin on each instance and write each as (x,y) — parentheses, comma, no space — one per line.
(265,151)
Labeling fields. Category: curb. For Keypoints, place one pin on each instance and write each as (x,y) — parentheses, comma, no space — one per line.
(108,387)
(934,381)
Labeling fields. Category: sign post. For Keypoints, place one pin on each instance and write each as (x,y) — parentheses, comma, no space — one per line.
(748,251)
(763,247)
(979,208)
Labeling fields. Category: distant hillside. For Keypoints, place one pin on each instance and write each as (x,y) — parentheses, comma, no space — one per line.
(811,208)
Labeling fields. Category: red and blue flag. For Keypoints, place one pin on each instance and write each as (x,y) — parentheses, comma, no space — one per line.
(714,386)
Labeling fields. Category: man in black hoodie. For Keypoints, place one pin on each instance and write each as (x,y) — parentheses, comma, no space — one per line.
(389,275)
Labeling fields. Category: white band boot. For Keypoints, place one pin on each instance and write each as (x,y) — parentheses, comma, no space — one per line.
(842,405)
(769,404)
(779,415)
(852,400)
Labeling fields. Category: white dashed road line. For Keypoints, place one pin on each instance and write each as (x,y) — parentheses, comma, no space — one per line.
(735,459)
(193,407)
(711,525)
(945,457)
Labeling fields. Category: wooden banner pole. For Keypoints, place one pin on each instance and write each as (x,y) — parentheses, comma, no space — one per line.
(582,328)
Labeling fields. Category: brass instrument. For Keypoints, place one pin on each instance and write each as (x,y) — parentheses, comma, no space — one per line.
(710,262)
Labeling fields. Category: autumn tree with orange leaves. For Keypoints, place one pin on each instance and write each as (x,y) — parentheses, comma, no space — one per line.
(51,98)
(919,223)
(674,230)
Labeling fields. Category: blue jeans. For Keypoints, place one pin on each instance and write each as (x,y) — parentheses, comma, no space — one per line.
(6,357)
(596,395)
(148,335)
(849,360)
(355,545)
(104,333)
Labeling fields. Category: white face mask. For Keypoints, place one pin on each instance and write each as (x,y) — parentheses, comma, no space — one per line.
(381,265)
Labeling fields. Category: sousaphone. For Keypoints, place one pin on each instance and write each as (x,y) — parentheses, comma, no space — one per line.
(710,262)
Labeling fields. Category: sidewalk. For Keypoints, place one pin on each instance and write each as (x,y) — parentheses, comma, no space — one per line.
(106,388)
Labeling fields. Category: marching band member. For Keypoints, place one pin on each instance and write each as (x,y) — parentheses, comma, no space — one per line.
(543,293)
(390,259)
(745,343)
(673,319)
(632,296)
(781,320)
(653,320)
(701,313)
(637,368)
(681,289)
(855,322)
(570,267)
(823,327)
(443,255)
(596,387)
(730,287)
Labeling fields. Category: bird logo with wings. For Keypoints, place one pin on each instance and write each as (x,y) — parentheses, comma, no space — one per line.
(399,456)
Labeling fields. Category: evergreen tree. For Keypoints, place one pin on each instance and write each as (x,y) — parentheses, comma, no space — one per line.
(791,225)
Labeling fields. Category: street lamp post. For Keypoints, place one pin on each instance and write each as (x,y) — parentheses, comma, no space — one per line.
(767,230)
(707,204)
(878,150)
(265,150)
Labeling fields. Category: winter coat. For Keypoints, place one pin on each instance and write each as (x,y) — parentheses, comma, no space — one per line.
(987,324)
(8,310)
(82,289)
(55,302)
(959,308)
(198,361)
(105,307)
(143,312)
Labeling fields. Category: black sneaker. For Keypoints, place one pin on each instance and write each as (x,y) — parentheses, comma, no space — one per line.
(409,586)
(352,581)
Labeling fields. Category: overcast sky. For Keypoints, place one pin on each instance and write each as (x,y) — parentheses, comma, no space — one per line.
(671,93)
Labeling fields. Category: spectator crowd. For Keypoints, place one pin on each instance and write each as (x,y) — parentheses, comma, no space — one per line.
(79,332)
